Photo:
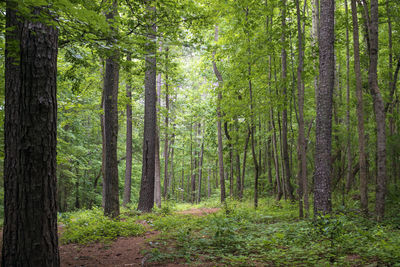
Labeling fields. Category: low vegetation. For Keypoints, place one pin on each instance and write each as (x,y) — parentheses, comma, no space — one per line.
(239,235)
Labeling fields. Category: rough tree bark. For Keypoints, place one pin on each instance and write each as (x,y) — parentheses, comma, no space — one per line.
(146,198)
(111,80)
(323,132)
(30,183)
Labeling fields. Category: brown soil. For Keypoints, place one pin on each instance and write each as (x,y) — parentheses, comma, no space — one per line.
(199,212)
(125,251)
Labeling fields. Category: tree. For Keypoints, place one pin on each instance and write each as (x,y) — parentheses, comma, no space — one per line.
(111,80)
(360,112)
(219,123)
(323,132)
(146,198)
(287,172)
(30,208)
(379,109)
(128,163)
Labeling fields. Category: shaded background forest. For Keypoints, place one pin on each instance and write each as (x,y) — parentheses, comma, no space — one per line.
(248,53)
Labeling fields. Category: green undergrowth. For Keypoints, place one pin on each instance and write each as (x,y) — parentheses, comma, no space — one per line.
(239,235)
(88,226)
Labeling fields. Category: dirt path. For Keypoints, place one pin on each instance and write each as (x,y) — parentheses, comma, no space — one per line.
(125,251)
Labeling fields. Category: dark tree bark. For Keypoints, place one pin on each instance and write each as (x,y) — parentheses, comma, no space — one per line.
(287,172)
(111,80)
(30,127)
(128,163)
(219,126)
(379,109)
(323,163)
(360,112)
(146,198)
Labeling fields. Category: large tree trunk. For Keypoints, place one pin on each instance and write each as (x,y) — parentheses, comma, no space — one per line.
(379,109)
(360,112)
(146,198)
(323,163)
(30,127)
(219,124)
(111,80)
(128,163)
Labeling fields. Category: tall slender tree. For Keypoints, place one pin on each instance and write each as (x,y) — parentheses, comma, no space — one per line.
(323,132)
(379,109)
(128,164)
(146,198)
(111,80)
(360,112)
(219,123)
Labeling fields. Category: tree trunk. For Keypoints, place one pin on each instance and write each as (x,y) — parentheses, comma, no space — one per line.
(360,112)
(287,171)
(128,163)
(111,80)
(379,109)
(349,181)
(157,173)
(166,178)
(219,124)
(200,168)
(246,145)
(323,163)
(146,198)
(30,137)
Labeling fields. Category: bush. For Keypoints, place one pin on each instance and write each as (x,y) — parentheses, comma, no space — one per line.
(90,226)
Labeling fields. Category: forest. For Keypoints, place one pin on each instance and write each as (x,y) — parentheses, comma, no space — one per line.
(199,133)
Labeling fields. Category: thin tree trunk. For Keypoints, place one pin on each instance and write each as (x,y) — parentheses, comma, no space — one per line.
(219,123)
(287,172)
(128,166)
(157,170)
(360,112)
(379,109)
(279,192)
(208,183)
(166,178)
(200,168)
(349,181)
(246,145)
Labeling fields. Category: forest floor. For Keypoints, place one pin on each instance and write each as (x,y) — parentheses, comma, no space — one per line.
(124,251)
